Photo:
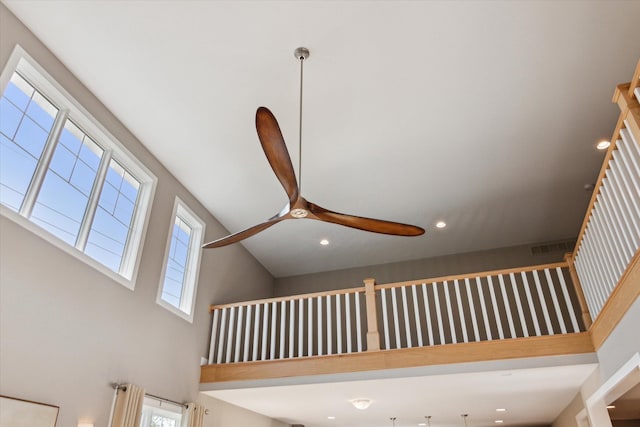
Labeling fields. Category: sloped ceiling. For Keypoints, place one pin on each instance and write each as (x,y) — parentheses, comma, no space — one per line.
(482,114)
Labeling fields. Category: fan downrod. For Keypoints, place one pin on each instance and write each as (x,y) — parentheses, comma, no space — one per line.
(301,53)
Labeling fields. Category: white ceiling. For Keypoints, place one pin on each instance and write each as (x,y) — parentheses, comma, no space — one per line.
(483,114)
(531,397)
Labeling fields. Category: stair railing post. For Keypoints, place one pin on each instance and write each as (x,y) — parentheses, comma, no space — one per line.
(373,337)
(586,316)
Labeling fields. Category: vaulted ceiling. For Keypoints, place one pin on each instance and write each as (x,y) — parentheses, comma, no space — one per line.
(481,114)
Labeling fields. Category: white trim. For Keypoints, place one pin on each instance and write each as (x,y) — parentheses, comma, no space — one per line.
(192,269)
(623,380)
(21,61)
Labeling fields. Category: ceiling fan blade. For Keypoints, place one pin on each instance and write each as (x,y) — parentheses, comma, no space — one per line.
(367,224)
(241,235)
(276,151)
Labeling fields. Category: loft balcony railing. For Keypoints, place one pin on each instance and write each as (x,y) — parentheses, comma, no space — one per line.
(516,303)
(564,308)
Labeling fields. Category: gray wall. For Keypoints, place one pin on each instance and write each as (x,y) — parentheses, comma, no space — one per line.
(623,343)
(67,331)
(223,414)
(472,262)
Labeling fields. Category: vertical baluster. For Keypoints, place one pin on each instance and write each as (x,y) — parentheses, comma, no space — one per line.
(622,242)
(272,349)
(427,313)
(338,324)
(407,329)
(236,354)
(358,323)
(620,223)
(247,334)
(396,323)
(385,319)
(320,334)
(621,210)
(543,303)
(223,324)
(586,283)
(532,308)
(283,328)
(301,327)
(472,310)
(347,305)
(595,261)
(507,306)
(265,331)
(496,313)
(310,326)
(232,316)
(554,298)
(627,168)
(292,327)
(523,321)
(329,326)
(485,316)
(416,315)
(612,269)
(436,300)
(567,300)
(256,332)
(617,255)
(463,323)
(214,335)
(454,338)
(626,198)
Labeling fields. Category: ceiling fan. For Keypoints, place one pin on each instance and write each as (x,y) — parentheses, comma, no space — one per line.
(298,207)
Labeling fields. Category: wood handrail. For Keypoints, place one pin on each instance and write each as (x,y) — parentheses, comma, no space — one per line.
(562,264)
(635,80)
(288,298)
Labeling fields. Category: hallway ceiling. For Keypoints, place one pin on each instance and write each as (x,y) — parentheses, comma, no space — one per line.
(481,114)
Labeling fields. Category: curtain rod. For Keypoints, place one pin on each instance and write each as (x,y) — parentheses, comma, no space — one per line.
(123,387)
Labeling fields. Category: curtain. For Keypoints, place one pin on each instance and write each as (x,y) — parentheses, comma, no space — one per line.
(128,406)
(195,415)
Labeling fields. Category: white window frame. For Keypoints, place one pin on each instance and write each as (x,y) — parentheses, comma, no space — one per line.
(192,270)
(151,405)
(22,62)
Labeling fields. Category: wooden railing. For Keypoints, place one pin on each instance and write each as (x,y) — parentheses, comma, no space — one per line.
(524,302)
(609,241)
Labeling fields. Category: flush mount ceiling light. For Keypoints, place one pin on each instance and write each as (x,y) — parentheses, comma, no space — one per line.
(361,403)
(331,417)
(324,242)
(603,145)
(441,224)
(499,421)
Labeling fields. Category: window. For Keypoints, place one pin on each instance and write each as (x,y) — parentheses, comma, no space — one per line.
(158,413)
(61,171)
(177,291)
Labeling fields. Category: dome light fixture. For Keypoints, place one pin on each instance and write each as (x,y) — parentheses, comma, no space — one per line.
(603,145)
(441,224)
(361,404)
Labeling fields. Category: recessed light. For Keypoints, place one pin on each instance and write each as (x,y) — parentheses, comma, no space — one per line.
(603,145)
(324,242)
(422,424)
(501,410)
(441,224)
(611,407)
(331,417)
(499,421)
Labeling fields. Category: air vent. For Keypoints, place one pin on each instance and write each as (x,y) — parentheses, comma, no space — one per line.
(561,246)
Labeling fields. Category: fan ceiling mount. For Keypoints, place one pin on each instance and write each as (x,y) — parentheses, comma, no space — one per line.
(298,207)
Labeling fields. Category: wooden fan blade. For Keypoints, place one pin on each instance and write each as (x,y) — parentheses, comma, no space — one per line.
(276,151)
(241,235)
(367,224)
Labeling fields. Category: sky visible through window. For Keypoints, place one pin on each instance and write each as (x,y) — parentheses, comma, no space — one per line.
(173,286)
(65,194)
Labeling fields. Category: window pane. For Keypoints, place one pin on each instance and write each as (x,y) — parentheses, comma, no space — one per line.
(63,198)
(173,286)
(26,118)
(112,223)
